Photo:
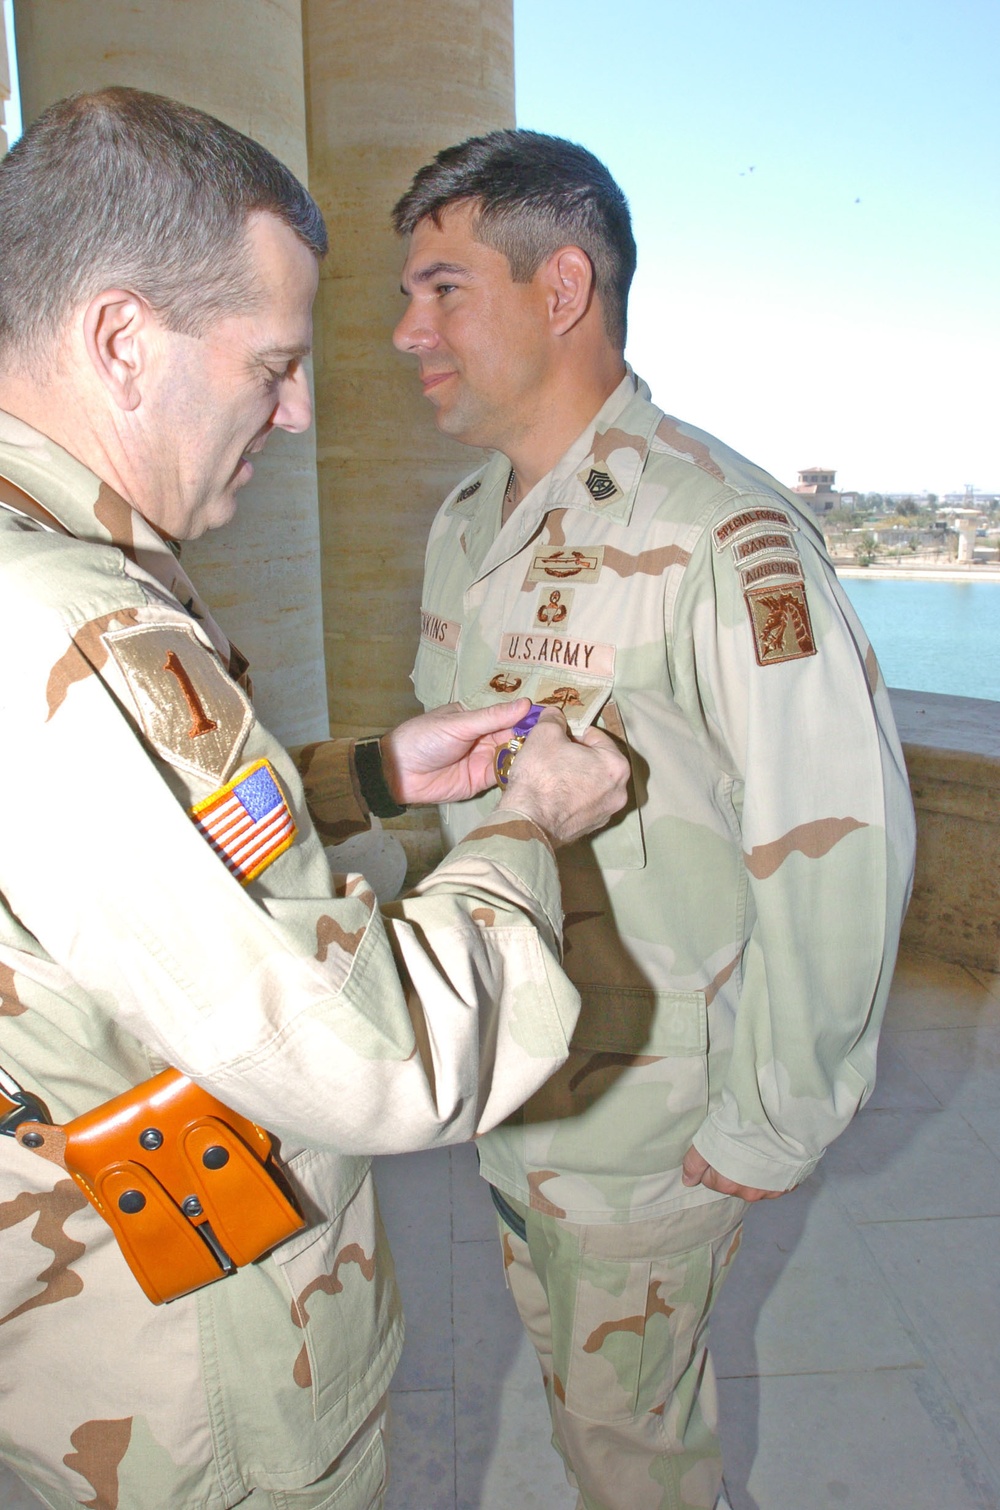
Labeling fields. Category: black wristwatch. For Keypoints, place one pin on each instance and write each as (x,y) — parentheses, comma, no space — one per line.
(371,779)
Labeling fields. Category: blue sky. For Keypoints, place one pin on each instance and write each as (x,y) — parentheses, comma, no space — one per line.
(839,304)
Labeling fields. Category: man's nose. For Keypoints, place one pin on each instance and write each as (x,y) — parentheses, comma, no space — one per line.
(414,331)
(294,411)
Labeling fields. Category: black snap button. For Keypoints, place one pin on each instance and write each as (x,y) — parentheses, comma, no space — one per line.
(215,1157)
(131,1201)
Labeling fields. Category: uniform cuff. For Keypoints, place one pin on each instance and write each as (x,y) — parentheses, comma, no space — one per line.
(332,793)
(740,1160)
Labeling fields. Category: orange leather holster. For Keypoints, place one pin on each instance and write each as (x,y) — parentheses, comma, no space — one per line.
(188,1186)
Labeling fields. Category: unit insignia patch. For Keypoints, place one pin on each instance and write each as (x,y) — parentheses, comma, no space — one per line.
(247,822)
(193,715)
(779,618)
(581,564)
(600,485)
(467,492)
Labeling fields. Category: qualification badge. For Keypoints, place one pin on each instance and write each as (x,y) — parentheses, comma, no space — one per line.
(506,753)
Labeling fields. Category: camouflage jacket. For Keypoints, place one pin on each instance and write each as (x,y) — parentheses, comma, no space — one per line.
(733,933)
(136,933)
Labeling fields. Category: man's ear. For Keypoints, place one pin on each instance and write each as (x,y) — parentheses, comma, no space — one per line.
(570,287)
(117,327)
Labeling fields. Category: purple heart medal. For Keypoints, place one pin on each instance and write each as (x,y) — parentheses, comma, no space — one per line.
(506,753)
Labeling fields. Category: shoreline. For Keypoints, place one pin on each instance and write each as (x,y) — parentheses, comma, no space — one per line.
(920,573)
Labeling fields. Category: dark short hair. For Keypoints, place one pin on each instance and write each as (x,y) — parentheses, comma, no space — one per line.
(124,188)
(533,194)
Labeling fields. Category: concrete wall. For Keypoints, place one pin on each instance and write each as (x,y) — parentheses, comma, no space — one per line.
(952,750)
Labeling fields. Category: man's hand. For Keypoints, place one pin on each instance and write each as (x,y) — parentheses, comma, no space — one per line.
(568,787)
(698,1171)
(447,755)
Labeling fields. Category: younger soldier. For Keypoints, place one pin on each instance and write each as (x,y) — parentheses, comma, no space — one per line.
(733,934)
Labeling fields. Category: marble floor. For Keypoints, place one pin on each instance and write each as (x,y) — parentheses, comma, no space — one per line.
(857,1342)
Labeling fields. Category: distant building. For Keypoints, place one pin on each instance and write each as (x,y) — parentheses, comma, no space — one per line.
(816,485)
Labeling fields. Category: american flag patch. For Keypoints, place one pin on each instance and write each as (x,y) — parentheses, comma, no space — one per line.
(247,822)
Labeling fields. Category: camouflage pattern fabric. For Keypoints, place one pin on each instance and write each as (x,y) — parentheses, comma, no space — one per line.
(127,943)
(733,932)
(618,1317)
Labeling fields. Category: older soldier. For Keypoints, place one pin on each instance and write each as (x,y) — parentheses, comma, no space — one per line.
(733,935)
(165,900)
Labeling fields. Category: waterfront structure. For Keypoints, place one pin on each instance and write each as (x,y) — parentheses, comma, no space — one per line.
(816,485)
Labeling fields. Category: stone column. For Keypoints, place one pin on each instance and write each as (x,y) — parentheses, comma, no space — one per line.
(387,86)
(4,81)
(241,60)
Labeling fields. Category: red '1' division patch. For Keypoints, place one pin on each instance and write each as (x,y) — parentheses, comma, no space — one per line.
(779,618)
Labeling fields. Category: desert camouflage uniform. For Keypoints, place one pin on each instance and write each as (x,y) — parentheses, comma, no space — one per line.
(126,945)
(732,934)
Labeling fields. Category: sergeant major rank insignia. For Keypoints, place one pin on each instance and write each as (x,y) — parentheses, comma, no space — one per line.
(600,485)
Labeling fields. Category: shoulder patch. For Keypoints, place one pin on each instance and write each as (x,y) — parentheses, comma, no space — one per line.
(775,566)
(779,618)
(190,711)
(467,492)
(247,822)
(754,520)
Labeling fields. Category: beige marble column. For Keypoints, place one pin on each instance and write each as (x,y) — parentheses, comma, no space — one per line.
(4,81)
(241,60)
(387,85)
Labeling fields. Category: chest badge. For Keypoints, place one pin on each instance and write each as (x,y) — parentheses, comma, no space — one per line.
(504,683)
(576,563)
(554,606)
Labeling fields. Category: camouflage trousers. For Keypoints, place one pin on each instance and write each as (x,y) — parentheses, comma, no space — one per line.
(618,1317)
(356,1480)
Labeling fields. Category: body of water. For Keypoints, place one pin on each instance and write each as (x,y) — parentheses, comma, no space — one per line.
(933,636)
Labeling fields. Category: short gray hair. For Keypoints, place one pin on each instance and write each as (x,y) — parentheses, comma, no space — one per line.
(532,194)
(121,188)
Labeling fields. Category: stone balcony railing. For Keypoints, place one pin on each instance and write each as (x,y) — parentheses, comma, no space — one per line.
(952,750)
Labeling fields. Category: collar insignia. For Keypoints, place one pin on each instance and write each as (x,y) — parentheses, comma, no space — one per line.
(600,485)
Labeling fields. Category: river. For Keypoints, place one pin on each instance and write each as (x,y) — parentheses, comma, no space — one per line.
(933,636)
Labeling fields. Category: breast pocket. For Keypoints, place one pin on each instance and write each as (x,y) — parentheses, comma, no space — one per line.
(434,674)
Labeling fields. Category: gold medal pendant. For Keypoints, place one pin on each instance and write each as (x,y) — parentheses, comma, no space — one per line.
(506,753)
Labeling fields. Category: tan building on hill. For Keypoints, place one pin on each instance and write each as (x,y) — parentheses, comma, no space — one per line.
(816,485)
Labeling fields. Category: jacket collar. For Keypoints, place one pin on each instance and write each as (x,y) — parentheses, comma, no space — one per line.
(92,511)
(598,474)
